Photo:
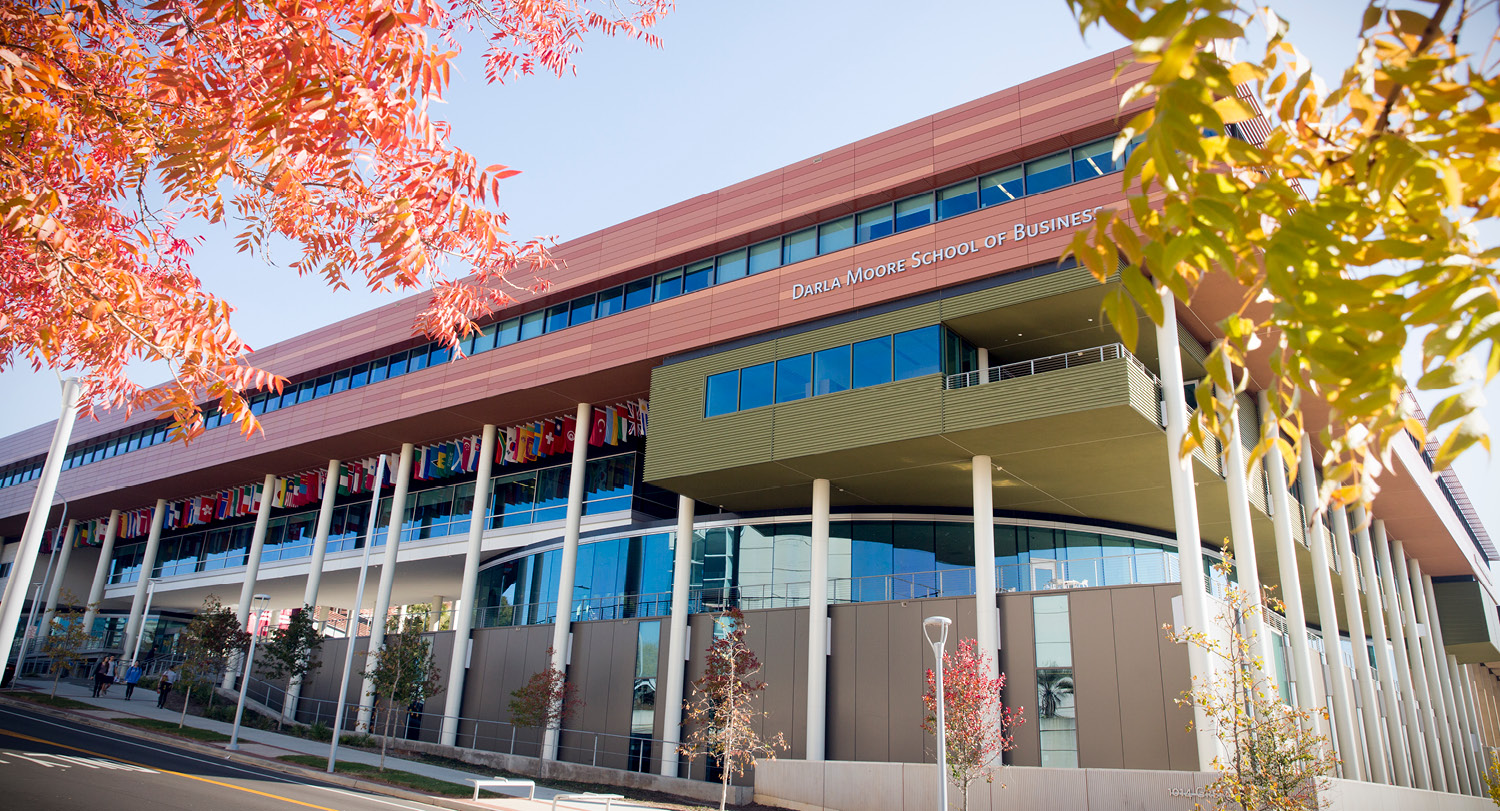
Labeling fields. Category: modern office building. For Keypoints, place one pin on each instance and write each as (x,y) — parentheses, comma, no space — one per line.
(842,396)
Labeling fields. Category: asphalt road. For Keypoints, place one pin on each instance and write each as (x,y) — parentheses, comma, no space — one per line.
(50,764)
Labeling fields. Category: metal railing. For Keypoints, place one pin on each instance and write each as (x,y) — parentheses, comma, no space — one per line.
(1051,363)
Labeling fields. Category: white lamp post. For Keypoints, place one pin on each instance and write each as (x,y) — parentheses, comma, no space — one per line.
(140,633)
(260,600)
(938,626)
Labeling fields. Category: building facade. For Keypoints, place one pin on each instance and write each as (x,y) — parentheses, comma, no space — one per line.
(842,396)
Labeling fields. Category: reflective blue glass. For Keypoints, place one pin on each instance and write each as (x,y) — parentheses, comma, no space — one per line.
(611,301)
(416,359)
(1051,172)
(323,387)
(874,224)
(917,352)
(723,394)
(1094,160)
(531,325)
(638,293)
(732,266)
(831,370)
(836,235)
(341,381)
(551,493)
(959,199)
(1001,187)
(799,246)
(793,378)
(557,318)
(581,311)
(757,384)
(509,332)
(697,276)
(378,369)
(913,212)
(397,365)
(912,555)
(668,284)
(872,362)
(765,256)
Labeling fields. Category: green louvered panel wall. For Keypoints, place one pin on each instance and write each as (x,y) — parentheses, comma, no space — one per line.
(860,417)
(1052,284)
(1145,394)
(1190,345)
(1066,391)
(682,441)
(1470,627)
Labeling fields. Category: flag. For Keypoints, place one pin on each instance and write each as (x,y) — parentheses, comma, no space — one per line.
(512,445)
(207,507)
(569,429)
(549,437)
(641,404)
(596,436)
(611,426)
(255,496)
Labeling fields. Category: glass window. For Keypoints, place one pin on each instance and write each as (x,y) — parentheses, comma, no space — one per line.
(1054,639)
(793,378)
(582,311)
(872,362)
(323,387)
(831,370)
(697,276)
(379,368)
(913,212)
(288,397)
(437,354)
(341,381)
(557,318)
(668,284)
(416,359)
(397,366)
(732,265)
(765,256)
(643,688)
(1057,717)
(799,246)
(959,199)
(874,224)
(836,235)
(531,325)
(1093,160)
(552,493)
(637,293)
(916,352)
(509,332)
(1045,174)
(757,384)
(611,301)
(1001,187)
(723,394)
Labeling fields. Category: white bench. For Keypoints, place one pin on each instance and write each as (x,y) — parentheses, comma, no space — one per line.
(504,782)
(588,797)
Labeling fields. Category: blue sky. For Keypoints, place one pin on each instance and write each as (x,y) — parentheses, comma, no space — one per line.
(736,90)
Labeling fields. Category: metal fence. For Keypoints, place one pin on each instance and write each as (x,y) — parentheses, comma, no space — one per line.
(1051,363)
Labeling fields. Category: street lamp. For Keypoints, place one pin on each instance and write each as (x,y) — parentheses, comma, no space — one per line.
(239,708)
(140,633)
(939,626)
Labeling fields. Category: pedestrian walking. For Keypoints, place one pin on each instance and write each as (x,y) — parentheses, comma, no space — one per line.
(109,675)
(164,684)
(132,678)
(99,675)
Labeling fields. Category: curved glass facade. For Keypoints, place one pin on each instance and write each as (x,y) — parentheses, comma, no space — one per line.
(765,565)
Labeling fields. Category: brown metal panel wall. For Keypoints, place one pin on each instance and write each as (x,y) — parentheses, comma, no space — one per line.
(1182,748)
(876,706)
(1066,391)
(1138,678)
(844,680)
(908,743)
(442,653)
(1096,678)
(658,726)
(1018,663)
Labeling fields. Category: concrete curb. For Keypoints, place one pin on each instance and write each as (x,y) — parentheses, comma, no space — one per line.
(201,748)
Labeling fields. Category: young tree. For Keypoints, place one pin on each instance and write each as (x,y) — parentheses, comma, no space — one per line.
(403,672)
(978,727)
(305,124)
(292,652)
(1272,759)
(546,700)
(722,710)
(67,640)
(211,638)
(1349,228)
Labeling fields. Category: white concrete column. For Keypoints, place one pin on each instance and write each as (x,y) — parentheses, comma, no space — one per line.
(314,573)
(148,563)
(562,627)
(252,567)
(676,653)
(1241,535)
(1328,618)
(1463,684)
(101,570)
(1369,714)
(1428,710)
(60,568)
(1383,663)
(817,626)
(1453,702)
(1185,518)
(1415,742)
(1291,580)
(986,613)
(387,579)
(463,614)
(1437,706)
(984,364)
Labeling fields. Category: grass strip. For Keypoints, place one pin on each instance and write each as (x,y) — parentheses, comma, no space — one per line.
(365,771)
(59,701)
(171,728)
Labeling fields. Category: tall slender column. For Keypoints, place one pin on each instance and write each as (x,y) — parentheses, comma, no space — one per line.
(1286,562)
(1383,664)
(387,579)
(1246,566)
(1370,711)
(463,614)
(252,568)
(148,563)
(101,570)
(314,573)
(1437,708)
(63,553)
(1328,617)
(562,626)
(682,562)
(987,619)
(817,625)
(1415,742)
(1463,676)
(1453,701)
(984,364)
(1185,517)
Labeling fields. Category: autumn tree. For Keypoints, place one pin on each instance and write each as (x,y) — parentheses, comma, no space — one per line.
(546,700)
(212,637)
(722,709)
(128,125)
(403,672)
(978,729)
(1344,227)
(64,643)
(291,653)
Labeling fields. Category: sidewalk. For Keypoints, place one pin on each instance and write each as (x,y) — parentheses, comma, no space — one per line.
(269,746)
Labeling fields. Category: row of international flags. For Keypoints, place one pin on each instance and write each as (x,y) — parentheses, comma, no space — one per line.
(516,444)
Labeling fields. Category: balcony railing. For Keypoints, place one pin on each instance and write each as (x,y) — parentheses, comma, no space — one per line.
(1051,363)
